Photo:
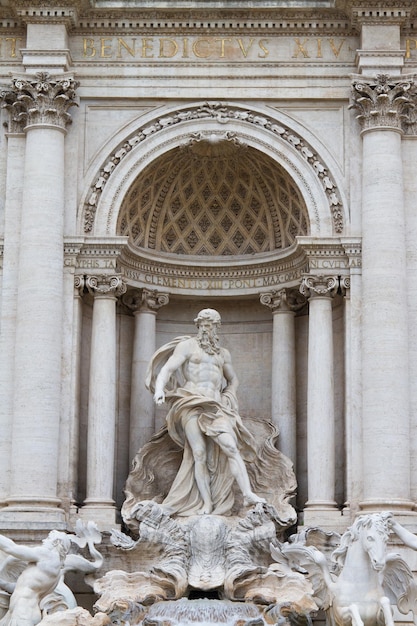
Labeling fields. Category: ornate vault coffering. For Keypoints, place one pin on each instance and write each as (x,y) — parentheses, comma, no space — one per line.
(213,199)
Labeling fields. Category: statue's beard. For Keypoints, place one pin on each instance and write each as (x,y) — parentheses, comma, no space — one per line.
(209,342)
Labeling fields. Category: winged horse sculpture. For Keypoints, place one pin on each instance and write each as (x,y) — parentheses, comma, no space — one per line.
(364,581)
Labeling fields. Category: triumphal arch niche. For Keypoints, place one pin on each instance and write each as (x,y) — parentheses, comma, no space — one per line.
(213,204)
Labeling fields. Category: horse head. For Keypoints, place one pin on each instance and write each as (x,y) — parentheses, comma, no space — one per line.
(371,533)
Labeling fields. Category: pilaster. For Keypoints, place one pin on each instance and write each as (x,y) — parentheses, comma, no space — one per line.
(380,26)
(47,44)
(12,227)
(351,288)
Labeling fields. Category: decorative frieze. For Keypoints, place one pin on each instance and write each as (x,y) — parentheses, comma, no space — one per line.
(383,101)
(40,100)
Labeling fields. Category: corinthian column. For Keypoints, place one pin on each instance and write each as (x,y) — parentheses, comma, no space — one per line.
(145,305)
(382,103)
(320,398)
(99,504)
(283,304)
(42,103)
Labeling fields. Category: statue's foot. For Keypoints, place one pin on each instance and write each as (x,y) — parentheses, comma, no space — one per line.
(252,498)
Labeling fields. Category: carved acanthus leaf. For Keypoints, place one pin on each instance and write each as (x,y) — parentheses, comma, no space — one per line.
(383,101)
(40,100)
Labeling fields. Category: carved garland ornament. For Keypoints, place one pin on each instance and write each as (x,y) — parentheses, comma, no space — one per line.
(40,100)
(223,114)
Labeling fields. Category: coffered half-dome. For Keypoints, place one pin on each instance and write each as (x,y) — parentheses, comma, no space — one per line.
(213,199)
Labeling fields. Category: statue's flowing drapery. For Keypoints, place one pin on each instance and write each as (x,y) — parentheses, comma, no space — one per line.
(214,418)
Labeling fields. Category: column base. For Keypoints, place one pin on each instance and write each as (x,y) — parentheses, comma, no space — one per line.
(102,513)
(326,515)
(404,510)
(26,513)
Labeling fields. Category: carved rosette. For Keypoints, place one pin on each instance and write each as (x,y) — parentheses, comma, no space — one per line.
(383,101)
(105,286)
(319,286)
(283,300)
(39,100)
(145,300)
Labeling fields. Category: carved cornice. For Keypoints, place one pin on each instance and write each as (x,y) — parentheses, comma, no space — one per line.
(148,15)
(377,12)
(40,100)
(214,275)
(383,101)
(222,113)
(267,274)
(319,286)
(37,11)
(331,255)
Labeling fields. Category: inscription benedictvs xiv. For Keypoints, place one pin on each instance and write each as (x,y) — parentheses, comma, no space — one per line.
(214,48)
(211,48)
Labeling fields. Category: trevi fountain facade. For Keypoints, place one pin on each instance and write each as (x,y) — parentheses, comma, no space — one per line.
(208,312)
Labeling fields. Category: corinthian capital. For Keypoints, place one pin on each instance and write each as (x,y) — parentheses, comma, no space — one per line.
(40,100)
(145,300)
(283,300)
(107,286)
(319,286)
(382,101)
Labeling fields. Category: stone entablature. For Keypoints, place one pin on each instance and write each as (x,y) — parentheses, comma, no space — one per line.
(214,276)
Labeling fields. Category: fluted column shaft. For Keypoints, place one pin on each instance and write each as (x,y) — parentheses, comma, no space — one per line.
(43,102)
(320,394)
(102,399)
(385,411)
(145,305)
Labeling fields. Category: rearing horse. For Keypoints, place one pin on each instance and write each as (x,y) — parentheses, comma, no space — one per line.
(358,593)
(365,581)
